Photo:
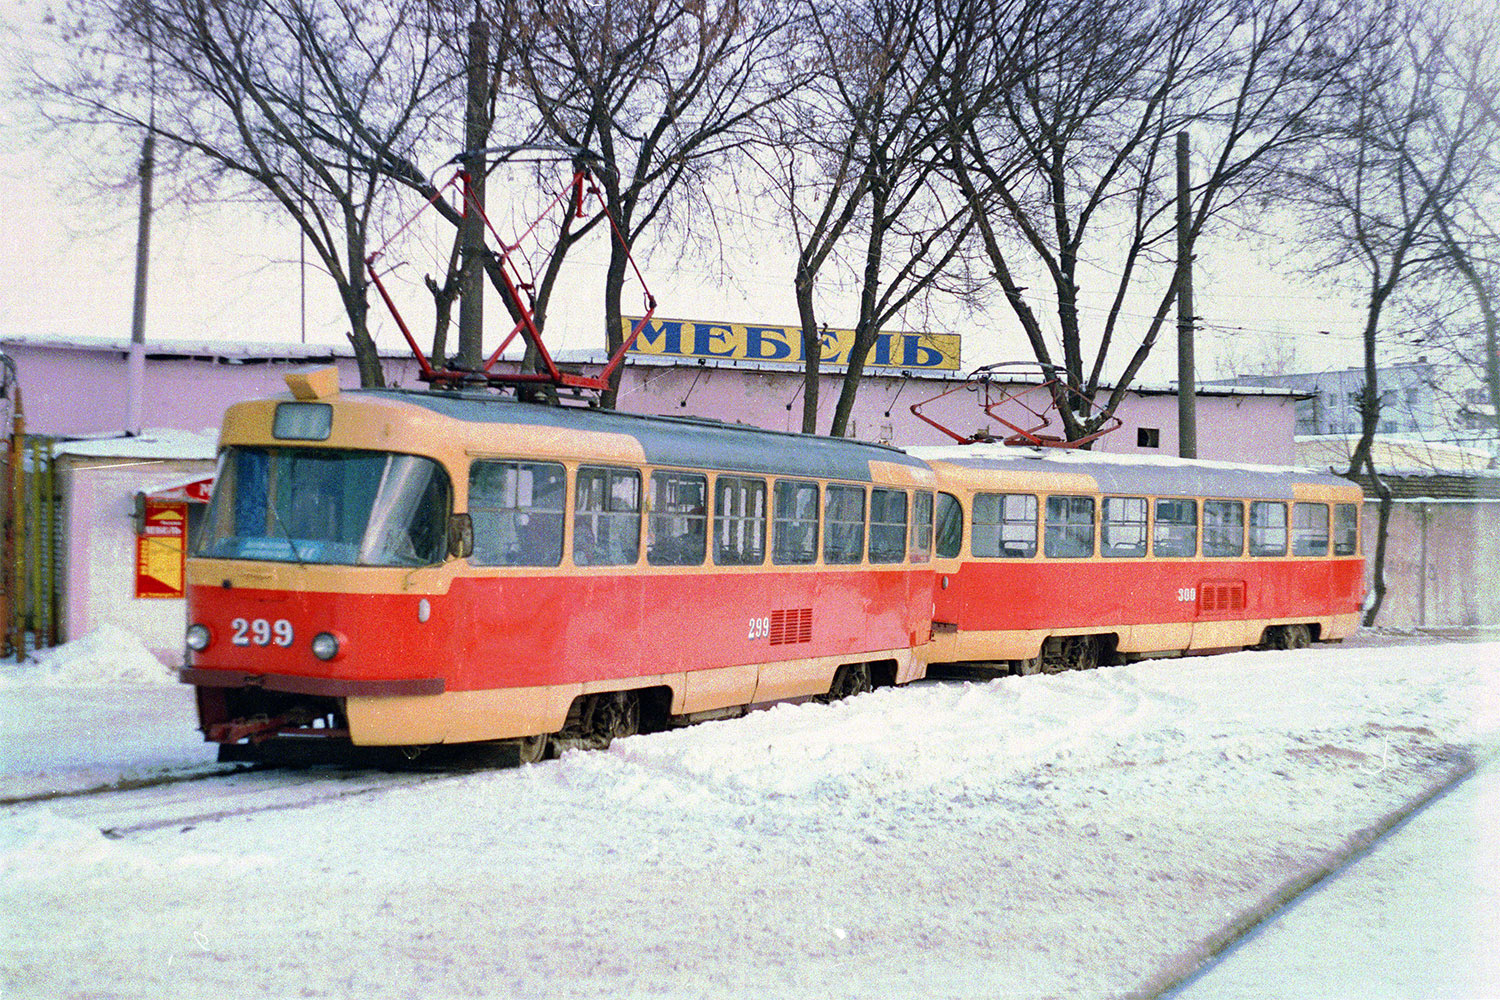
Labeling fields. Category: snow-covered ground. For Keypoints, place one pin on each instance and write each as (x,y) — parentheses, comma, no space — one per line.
(1071,835)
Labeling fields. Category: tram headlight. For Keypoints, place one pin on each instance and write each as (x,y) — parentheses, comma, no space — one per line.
(198,638)
(326,646)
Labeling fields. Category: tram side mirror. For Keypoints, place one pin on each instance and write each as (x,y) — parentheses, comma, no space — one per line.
(460,536)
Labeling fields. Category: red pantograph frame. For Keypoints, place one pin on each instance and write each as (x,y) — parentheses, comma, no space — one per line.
(980,377)
(582,183)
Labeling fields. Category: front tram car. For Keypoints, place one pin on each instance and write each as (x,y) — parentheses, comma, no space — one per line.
(393,568)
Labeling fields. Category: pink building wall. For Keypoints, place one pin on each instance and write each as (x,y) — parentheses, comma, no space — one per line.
(81,389)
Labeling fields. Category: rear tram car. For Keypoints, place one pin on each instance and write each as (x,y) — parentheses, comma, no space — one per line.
(410,568)
(1052,558)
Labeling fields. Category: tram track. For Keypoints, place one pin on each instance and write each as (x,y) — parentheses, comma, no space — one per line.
(292,778)
(186,800)
(124,784)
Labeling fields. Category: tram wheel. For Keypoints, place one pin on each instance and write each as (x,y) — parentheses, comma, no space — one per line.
(1028,666)
(1287,637)
(617,715)
(849,680)
(532,749)
(596,720)
(1081,652)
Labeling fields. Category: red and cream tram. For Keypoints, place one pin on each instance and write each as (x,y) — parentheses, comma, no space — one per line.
(1052,558)
(411,568)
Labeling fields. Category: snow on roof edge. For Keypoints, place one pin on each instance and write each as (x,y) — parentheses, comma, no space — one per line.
(299,352)
(153,442)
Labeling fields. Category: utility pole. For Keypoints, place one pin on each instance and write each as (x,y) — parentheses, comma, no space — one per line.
(136,364)
(1187,389)
(476,132)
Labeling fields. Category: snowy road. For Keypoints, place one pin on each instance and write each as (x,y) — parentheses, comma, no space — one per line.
(1069,835)
(1418,917)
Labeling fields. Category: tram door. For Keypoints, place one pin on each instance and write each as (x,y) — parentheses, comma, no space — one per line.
(947,547)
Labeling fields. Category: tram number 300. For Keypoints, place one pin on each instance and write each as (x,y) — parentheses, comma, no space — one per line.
(261,632)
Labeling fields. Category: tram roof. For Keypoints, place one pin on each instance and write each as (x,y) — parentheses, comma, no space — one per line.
(691,442)
(1157,475)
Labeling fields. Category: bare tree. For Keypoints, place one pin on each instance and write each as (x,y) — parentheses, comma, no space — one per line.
(1470,241)
(654,91)
(1070,168)
(1378,190)
(301,104)
(853,160)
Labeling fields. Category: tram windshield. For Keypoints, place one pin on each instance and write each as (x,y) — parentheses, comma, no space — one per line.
(316,505)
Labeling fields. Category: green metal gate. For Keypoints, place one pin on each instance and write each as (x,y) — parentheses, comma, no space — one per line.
(33,529)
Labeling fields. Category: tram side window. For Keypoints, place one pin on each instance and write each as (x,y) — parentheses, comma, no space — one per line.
(1004,525)
(1345,529)
(1223,528)
(607,517)
(920,542)
(950,526)
(1176,535)
(517,510)
(843,524)
(678,533)
(887,526)
(1070,528)
(1122,530)
(1310,529)
(739,521)
(1267,528)
(794,529)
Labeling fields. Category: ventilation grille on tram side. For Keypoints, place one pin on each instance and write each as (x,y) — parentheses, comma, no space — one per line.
(1221,597)
(791,625)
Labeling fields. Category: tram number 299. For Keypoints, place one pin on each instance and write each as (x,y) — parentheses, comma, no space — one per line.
(261,632)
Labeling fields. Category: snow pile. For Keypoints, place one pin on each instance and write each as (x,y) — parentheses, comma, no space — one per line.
(42,842)
(93,713)
(966,741)
(105,657)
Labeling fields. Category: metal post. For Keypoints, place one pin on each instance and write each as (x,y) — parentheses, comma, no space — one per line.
(1426,516)
(15,553)
(1187,388)
(34,506)
(49,544)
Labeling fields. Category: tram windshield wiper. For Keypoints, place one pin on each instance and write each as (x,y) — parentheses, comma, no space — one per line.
(274,517)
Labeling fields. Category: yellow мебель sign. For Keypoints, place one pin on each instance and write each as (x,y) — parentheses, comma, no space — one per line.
(688,338)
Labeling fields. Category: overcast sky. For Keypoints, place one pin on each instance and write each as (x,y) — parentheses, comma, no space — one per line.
(230,274)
